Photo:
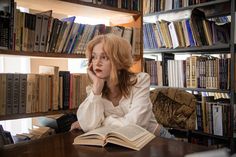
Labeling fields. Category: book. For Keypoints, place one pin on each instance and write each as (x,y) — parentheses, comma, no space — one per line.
(54,71)
(64,34)
(38,28)
(16,91)
(22,93)
(4,32)
(65,88)
(165,58)
(46,15)
(130,136)
(217,115)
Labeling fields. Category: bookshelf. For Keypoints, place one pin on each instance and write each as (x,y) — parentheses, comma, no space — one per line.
(116,16)
(195,132)
(28,115)
(40,54)
(194,89)
(207,5)
(224,48)
(212,9)
(78,8)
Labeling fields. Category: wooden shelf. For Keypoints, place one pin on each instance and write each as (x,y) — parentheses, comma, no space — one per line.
(40,54)
(196,132)
(194,89)
(103,6)
(191,133)
(38,114)
(215,49)
(213,8)
(65,8)
(77,8)
(201,5)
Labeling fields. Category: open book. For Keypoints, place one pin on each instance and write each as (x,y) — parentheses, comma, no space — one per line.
(130,136)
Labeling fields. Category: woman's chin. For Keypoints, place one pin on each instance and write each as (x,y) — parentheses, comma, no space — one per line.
(101,76)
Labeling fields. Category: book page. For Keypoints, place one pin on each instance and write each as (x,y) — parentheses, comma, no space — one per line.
(95,137)
(130,132)
(136,145)
(102,131)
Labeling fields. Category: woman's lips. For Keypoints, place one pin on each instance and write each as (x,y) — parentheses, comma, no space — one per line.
(98,70)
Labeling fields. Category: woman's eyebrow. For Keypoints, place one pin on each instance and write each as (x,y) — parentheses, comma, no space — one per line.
(101,53)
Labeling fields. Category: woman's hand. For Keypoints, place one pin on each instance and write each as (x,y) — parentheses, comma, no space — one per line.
(75,125)
(97,82)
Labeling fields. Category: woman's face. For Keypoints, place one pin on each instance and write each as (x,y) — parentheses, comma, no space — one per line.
(101,62)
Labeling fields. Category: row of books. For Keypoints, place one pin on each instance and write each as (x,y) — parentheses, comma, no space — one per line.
(30,93)
(208,72)
(194,72)
(213,117)
(43,33)
(151,6)
(154,69)
(184,33)
(6,24)
(158,70)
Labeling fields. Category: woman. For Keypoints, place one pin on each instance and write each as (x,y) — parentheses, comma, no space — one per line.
(117,96)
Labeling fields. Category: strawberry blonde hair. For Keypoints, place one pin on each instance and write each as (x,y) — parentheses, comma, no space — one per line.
(118,50)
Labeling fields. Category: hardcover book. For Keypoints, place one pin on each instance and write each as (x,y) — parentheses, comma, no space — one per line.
(130,136)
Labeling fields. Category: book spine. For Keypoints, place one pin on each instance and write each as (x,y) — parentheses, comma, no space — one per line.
(23,93)
(18,31)
(9,93)
(16,90)
(44,31)
(66,88)
(29,94)
(49,33)
(2,94)
(31,36)
(11,25)
(4,32)
(25,31)
(38,32)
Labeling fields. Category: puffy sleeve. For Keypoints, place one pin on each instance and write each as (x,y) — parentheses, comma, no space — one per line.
(90,113)
(140,109)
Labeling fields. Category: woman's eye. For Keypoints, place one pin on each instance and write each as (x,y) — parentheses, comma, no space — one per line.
(105,58)
(93,57)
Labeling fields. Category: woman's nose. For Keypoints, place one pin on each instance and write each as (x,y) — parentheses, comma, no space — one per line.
(98,61)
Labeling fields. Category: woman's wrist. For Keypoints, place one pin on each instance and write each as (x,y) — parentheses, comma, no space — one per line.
(96,90)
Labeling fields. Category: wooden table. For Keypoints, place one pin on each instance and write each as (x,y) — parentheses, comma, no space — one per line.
(60,145)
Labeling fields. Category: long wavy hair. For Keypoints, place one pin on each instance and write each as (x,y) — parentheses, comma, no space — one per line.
(118,51)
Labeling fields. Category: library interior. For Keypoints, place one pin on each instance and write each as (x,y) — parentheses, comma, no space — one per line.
(185,49)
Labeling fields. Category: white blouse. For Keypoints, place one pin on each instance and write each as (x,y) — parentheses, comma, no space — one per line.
(96,111)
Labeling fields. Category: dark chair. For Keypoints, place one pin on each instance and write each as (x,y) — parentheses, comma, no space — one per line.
(174,108)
